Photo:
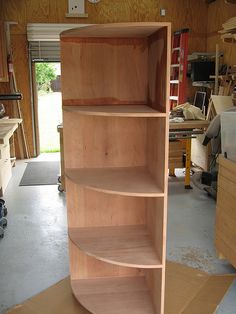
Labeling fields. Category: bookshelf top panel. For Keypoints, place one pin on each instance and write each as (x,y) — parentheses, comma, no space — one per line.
(115,30)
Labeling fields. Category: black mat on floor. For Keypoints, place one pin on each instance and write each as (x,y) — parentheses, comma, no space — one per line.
(41,173)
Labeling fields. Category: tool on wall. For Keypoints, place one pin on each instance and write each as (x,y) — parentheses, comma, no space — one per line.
(21,136)
(179,60)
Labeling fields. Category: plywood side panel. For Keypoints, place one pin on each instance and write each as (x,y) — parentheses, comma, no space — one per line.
(156,285)
(104,141)
(155,224)
(158,69)
(87,208)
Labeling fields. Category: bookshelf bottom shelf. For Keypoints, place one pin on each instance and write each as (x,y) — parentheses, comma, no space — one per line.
(116,295)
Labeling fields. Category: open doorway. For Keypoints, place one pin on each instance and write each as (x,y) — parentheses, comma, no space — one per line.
(49,105)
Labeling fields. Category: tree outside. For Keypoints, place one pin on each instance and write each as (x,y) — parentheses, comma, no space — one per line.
(45,73)
(49,106)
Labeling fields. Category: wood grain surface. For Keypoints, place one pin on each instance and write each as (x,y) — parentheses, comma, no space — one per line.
(127,295)
(120,245)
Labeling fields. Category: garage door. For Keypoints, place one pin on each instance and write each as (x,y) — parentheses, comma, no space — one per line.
(44,40)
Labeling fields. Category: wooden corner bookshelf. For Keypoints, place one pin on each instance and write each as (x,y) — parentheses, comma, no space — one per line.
(115,87)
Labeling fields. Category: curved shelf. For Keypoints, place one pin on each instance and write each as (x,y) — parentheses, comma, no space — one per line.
(116,111)
(130,181)
(126,295)
(124,245)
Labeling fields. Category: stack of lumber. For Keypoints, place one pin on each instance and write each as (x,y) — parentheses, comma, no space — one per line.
(229,30)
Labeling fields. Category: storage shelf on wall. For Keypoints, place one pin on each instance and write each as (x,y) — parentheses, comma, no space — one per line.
(115,88)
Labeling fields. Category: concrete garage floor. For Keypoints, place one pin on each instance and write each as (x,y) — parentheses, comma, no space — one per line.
(34,252)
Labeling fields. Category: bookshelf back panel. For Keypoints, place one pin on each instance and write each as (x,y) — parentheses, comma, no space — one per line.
(88,208)
(105,71)
(104,141)
(98,142)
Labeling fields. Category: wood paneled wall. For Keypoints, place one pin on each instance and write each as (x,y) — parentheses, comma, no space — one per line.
(182,14)
(218,13)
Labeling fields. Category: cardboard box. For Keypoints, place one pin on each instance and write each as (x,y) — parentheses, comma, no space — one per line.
(188,291)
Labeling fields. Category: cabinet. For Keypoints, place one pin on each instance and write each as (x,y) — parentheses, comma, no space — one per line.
(115,87)
(225,210)
(3,55)
(7,128)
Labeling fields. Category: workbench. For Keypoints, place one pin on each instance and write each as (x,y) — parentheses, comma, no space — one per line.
(7,129)
(183,133)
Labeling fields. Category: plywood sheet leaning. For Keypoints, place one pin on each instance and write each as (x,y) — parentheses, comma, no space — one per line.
(229,31)
(221,103)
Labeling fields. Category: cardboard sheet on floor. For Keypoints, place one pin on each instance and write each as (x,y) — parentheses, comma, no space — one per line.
(188,291)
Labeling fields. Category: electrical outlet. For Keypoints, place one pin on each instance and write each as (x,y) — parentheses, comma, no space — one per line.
(163,12)
(76,6)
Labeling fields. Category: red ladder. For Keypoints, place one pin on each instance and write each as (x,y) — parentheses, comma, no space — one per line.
(179,62)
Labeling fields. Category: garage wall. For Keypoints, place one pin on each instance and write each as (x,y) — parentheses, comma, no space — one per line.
(182,14)
(218,13)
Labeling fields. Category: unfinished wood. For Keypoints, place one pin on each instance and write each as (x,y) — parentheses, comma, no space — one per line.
(225,210)
(117,111)
(10,121)
(114,30)
(105,141)
(3,54)
(122,65)
(5,174)
(176,151)
(115,96)
(6,131)
(221,103)
(201,155)
(83,266)
(157,151)
(89,208)
(125,295)
(159,69)
(124,245)
(190,124)
(135,181)
(127,60)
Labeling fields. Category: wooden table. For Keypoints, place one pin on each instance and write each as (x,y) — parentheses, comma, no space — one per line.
(186,131)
